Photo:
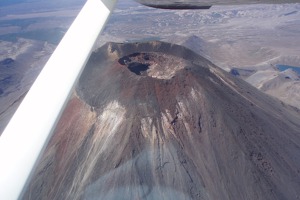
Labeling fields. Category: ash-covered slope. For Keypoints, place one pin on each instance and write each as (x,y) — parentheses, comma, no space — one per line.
(157,121)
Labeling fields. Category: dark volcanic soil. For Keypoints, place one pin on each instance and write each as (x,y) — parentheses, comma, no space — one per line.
(157,121)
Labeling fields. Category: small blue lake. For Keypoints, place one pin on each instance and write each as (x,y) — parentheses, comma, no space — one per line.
(285,67)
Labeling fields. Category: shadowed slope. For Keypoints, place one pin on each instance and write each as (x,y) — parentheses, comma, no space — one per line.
(180,128)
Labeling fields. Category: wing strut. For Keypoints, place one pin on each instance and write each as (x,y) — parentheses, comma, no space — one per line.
(28,132)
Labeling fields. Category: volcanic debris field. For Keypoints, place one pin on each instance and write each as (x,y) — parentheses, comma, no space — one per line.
(155,120)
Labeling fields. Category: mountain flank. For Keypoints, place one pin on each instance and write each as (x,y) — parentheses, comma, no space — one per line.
(157,121)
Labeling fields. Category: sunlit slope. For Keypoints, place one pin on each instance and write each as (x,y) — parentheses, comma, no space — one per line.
(157,121)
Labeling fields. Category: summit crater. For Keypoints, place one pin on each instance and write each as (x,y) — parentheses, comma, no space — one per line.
(156,65)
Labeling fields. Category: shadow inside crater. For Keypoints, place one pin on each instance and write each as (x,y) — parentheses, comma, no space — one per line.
(138,68)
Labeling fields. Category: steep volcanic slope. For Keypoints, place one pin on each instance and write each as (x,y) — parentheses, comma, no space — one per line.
(157,121)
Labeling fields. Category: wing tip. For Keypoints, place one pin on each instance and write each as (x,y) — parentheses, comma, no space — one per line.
(175,6)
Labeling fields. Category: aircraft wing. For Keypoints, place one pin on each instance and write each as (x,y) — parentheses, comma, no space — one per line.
(205,4)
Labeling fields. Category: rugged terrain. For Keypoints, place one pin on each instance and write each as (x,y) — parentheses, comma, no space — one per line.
(20,64)
(157,121)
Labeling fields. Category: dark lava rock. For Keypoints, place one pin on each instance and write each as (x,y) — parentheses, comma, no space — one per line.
(234,72)
(180,128)
(6,61)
